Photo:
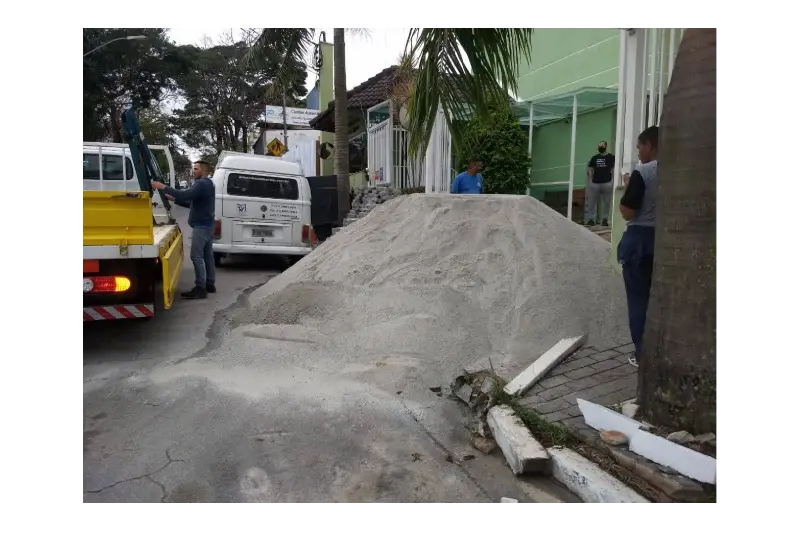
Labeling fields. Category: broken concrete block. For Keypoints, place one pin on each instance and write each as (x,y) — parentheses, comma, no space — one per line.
(587,480)
(707,438)
(629,408)
(523,453)
(604,419)
(528,377)
(674,485)
(483,444)
(688,462)
(614,438)
(681,437)
(464,393)
(508,500)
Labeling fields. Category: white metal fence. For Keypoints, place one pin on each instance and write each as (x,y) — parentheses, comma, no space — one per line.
(389,159)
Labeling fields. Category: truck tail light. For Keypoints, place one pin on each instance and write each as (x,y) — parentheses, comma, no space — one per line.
(98,284)
(309,235)
(217,229)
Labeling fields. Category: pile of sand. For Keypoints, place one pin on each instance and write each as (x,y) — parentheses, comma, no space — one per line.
(451,280)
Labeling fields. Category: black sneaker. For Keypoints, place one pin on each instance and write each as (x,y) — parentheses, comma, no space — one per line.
(211,289)
(605,222)
(590,223)
(196,293)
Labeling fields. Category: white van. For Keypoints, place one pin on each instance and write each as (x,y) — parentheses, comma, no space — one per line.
(263,206)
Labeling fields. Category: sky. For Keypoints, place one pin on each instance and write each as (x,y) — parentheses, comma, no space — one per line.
(366,55)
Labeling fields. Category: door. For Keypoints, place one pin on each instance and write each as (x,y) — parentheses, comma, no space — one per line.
(171,261)
(264,208)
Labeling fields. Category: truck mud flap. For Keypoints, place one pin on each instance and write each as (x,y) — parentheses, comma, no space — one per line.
(171,261)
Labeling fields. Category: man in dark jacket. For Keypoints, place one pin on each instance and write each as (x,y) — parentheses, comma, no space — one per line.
(199,198)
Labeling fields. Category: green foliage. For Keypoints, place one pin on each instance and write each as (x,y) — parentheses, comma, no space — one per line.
(226,95)
(123,73)
(463,70)
(502,146)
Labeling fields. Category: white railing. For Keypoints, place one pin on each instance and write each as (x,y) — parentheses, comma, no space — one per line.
(389,159)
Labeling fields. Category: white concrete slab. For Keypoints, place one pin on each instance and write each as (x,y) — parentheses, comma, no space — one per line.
(523,453)
(587,480)
(604,419)
(688,462)
(528,377)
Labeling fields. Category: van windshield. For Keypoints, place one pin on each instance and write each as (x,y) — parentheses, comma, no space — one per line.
(262,186)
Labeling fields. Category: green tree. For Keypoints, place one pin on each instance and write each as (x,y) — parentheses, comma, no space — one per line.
(226,97)
(124,73)
(677,374)
(502,146)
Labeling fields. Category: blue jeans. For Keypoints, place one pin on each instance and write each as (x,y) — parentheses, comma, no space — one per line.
(203,256)
(635,254)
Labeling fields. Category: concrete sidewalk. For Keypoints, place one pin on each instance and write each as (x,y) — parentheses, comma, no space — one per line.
(600,374)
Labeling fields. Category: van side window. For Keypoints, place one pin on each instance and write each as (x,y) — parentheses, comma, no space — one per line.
(112,167)
(263,186)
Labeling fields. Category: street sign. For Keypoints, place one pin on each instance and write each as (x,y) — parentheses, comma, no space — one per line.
(276,148)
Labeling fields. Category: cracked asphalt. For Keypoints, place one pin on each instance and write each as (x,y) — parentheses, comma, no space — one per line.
(182,409)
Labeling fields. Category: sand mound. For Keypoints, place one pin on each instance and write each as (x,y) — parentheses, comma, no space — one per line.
(452,279)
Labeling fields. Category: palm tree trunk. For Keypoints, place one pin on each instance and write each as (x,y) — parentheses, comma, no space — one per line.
(341,162)
(677,374)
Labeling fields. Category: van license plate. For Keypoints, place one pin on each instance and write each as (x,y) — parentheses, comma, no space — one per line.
(263,233)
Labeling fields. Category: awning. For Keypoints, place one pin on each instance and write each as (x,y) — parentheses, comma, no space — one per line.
(558,107)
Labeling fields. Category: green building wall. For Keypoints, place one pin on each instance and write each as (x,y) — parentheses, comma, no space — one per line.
(552,145)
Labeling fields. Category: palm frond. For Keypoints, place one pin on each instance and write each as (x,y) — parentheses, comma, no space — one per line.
(293,45)
(464,71)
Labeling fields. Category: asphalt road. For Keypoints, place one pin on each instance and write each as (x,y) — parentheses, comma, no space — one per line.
(181,409)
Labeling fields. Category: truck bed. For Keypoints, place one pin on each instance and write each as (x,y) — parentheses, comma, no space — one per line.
(161,236)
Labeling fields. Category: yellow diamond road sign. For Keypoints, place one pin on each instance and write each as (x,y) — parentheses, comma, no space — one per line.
(276,148)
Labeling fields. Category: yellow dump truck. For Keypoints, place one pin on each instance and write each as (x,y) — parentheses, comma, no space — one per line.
(130,240)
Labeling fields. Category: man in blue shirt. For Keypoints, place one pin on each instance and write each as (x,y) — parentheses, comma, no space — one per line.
(199,198)
(469,182)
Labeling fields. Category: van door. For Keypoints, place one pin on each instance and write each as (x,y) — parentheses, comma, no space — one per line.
(264,208)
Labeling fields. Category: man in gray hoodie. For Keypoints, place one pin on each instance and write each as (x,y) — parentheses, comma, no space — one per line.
(200,199)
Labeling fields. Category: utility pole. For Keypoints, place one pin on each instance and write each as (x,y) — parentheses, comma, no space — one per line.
(285,133)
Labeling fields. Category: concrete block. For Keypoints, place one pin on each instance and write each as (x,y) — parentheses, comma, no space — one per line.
(688,462)
(536,371)
(587,480)
(604,419)
(523,453)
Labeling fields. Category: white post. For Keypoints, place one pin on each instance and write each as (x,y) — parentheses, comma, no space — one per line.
(572,155)
(671,53)
(660,64)
(652,62)
(429,163)
(641,65)
(530,147)
(621,87)
(387,176)
(634,98)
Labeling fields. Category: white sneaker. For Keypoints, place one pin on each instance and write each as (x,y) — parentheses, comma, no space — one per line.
(632,360)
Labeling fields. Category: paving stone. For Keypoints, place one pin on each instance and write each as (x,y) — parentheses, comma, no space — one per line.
(605,365)
(563,414)
(580,372)
(601,390)
(553,381)
(551,406)
(618,396)
(585,383)
(602,356)
(576,423)
(580,354)
(601,346)
(555,392)
(565,367)
(628,348)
